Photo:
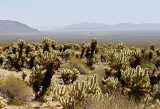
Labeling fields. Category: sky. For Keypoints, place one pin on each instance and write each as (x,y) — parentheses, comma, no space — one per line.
(65,12)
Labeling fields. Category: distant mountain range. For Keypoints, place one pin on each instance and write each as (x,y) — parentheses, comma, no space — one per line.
(8,27)
(103,27)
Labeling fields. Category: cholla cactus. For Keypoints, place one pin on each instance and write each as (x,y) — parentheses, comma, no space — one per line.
(149,54)
(46,44)
(120,45)
(3,102)
(67,54)
(67,103)
(69,75)
(157,62)
(135,59)
(14,62)
(77,54)
(83,49)
(2,57)
(32,56)
(21,45)
(50,62)
(137,83)
(108,71)
(29,48)
(111,84)
(152,47)
(119,61)
(36,79)
(77,92)
(60,91)
(53,44)
(93,46)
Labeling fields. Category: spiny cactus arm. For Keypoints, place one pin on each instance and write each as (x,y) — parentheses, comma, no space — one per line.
(111,83)
(3,102)
(67,103)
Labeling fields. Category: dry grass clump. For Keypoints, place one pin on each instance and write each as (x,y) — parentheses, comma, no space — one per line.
(100,71)
(78,64)
(117,101)
(15,89)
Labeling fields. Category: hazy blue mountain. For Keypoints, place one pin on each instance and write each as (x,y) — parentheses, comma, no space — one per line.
(8,27)
(103,27)
(47,28)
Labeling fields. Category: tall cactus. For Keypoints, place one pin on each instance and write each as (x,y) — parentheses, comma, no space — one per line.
(36,79)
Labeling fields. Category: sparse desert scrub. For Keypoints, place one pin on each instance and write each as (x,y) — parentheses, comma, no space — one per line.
(116,101)
(121,81)
(14,88)
(78,64)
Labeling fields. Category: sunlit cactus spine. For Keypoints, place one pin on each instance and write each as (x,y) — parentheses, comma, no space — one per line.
(67,103)
(53,44)
(120,45)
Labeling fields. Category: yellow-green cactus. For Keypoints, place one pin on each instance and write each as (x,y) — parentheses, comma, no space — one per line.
(69,75)
(3,102)
(36,79)
(67,103)
(137,83)
(111,84)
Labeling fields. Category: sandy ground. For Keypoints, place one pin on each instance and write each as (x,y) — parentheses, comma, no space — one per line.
(33,104)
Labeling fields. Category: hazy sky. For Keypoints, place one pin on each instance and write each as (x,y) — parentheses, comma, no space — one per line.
(65,12)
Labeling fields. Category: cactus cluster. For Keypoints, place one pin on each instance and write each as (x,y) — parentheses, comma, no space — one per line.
(124,68)
(73,95)
(137,82)
(3,102)
(69,75)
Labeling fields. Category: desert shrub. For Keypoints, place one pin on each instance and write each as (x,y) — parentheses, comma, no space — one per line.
(100,71)
(13,87)
(116,101)
(78,64)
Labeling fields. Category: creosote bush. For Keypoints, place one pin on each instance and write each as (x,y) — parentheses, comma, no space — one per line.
(15,88)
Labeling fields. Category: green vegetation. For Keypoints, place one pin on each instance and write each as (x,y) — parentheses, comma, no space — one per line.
(89,73)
